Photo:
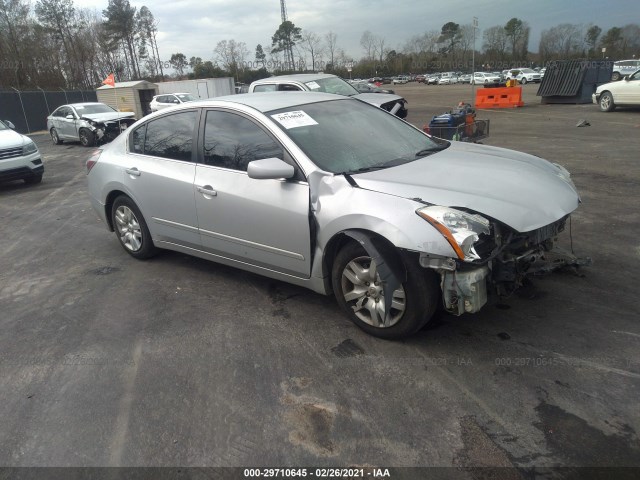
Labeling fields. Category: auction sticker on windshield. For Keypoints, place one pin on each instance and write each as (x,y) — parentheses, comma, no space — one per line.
(294,119)
(313,85)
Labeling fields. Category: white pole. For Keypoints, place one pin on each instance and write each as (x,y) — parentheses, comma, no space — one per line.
(473,64)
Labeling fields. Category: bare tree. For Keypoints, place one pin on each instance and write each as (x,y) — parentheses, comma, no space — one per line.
(312,44)
(232,55)
(562,42)
(368,42)
(331,41)
(380,51)
(494,44)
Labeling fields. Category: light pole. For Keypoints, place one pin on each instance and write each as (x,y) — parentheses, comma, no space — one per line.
(473,63)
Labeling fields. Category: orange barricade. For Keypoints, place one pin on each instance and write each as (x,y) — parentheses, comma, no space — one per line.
(499,97)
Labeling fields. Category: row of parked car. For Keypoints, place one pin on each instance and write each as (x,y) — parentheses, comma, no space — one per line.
(521,75)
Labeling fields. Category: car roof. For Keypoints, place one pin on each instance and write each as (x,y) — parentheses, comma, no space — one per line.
(82,104)
(267,101)
(300,77)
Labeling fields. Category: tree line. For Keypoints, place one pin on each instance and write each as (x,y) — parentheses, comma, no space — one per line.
(56,45)
(450,48)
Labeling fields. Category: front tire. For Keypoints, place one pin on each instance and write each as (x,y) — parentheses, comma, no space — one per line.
(360,293)
(87,138)
(523,81)
(131,228)
(606,102)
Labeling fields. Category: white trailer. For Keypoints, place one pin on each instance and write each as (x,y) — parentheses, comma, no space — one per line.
(201,88)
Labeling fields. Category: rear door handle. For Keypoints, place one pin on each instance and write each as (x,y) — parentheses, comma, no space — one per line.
(207,190)
(133,171)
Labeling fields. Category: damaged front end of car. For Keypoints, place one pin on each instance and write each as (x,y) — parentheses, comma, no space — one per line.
(107,130)
(491,257)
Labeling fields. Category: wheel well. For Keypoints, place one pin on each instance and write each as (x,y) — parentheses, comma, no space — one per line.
(341,239)
(108,205)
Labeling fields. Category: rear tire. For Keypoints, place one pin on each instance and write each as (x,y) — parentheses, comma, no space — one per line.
(131,228)
(414,302)
(523,81)
(54,137)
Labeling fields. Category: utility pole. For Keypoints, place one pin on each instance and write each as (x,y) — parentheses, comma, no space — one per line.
(288,54)
(473,63)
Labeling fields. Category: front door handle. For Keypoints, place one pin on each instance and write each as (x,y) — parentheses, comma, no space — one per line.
(207,190)
(133,171)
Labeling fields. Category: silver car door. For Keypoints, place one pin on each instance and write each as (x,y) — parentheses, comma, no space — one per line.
(67,128)
(159,171)
(260,222)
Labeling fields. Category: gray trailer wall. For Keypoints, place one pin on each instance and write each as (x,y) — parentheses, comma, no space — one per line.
(201,88)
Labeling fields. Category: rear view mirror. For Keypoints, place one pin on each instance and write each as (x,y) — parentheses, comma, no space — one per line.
(269,169)
(9,124)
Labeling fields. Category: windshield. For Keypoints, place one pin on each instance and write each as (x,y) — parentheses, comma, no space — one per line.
(332,85)
(347,136)
(186,97)
(93,108)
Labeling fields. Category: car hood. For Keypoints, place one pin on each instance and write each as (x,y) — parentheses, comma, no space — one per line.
(612,86)
(523,191)
(105,117)
(10,138)
(378,99)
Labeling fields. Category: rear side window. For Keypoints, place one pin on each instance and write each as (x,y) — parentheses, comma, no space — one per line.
(264,88)
(170,136)
(285,87)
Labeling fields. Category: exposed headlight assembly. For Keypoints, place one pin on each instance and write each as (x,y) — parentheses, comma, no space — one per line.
(462,230)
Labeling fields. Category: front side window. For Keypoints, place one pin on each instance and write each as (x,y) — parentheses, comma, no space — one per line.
(170,136)
(232,141)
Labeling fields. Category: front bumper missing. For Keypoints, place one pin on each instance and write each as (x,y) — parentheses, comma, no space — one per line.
(466,291)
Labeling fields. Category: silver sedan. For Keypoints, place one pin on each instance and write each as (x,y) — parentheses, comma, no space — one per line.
(89,123)
(336,195)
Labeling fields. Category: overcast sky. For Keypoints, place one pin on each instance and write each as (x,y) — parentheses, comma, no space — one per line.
(194,27)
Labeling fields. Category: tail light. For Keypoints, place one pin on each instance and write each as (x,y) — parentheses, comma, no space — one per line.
(93,159)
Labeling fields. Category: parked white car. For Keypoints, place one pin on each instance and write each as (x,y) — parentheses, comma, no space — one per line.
(19,156)
(448,78)
(623,68)
(483,78)
(625,92)
(170,100)
(523,75)
(401,79)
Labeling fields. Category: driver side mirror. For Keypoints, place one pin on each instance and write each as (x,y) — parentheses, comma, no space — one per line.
(70,117)
(269,169)
(9,124)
